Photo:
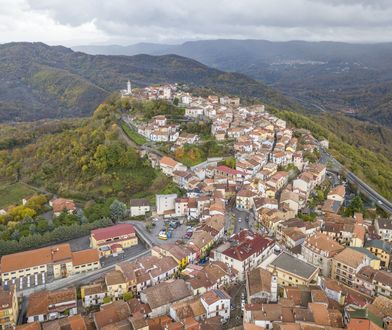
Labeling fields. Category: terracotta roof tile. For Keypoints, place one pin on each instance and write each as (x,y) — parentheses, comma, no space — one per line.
(37,257)
(113,231)
(85,257)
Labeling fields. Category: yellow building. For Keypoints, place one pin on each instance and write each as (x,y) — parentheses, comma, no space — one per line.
(116,284)
(112,240)
(85,261)
(381,249)
(128,270)
(38,261)
(8,307)
(293,271)
(56,259)
(181,254)
(201,242)
(244,199)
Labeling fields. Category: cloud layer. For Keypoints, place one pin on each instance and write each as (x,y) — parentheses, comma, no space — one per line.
(74,22)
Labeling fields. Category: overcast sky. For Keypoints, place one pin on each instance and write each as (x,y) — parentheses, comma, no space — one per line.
(77,22)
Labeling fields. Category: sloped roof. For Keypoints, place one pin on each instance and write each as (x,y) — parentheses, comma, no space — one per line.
(113,231)
(294,265)
(166,293)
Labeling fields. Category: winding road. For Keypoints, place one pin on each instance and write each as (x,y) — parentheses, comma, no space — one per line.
(364,188)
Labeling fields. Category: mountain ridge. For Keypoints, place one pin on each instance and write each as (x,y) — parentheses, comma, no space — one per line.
(333,76)
(41,81)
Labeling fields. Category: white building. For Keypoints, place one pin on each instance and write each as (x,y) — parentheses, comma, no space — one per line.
(216,303)
(93,294)
(384,229)
(319,250)
(139,207)
(165,203)
(251,251)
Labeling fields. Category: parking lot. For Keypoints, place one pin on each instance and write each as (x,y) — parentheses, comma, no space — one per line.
(177,233)
(31,281)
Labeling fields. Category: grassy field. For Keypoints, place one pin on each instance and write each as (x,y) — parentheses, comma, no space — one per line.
(135,137)
(13,194)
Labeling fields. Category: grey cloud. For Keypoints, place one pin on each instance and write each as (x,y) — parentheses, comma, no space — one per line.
(128,21)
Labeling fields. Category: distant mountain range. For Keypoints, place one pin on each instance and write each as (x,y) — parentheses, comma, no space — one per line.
(323,76)
(39,81)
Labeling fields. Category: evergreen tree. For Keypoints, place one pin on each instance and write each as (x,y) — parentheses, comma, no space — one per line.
(118,210)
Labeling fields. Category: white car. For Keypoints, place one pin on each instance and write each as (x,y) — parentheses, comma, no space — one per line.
(242,301)
(239,220)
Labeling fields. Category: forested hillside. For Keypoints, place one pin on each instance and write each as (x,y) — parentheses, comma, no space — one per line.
(40,81)
(89,161)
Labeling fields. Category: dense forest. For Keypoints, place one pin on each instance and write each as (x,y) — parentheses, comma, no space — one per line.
(20,134)
(89,161)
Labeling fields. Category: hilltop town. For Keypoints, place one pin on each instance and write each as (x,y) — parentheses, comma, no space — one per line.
(263,233)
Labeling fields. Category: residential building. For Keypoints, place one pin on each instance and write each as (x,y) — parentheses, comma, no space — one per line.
(113,316)
(189,309)
(213,276)
(93,294)
(161,296)
(384,229)
(116,284)
(292,237)
(9,308)
(319,171)
(333,289)
(382,282)
(201,241)
(60,205)
(244,199)
(331,206)
(113,239)
(290,200)
(319,250)
(347,263)
(229,173)
(381,249)
(49,305)
(248,252)
(364,280)
(216,303)
(337,193)
(139,207)
(74,322)
(165,203)
(293,271)
(182,254)
(169,165)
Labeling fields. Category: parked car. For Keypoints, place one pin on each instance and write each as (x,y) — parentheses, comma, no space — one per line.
(163,235)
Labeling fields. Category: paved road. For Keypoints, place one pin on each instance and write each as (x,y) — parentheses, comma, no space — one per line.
(149,146)
(364,188)
(241,219)
(370,193)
